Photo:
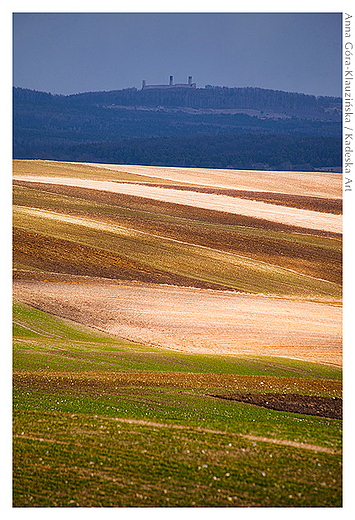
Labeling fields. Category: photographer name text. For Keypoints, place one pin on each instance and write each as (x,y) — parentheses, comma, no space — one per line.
(348,103)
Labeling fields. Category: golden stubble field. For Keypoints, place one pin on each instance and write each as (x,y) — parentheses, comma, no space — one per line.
(312,184)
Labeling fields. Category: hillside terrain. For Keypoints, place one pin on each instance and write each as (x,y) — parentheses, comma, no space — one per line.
(177,336)
(212,128)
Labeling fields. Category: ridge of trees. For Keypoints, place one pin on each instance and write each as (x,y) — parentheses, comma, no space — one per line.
(247,151)
(209,97)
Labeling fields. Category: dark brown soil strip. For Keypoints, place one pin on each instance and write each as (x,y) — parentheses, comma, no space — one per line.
(112,381)
(330,407)
(38,251)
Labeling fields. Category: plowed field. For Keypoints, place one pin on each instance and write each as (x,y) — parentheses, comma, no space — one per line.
(250,208)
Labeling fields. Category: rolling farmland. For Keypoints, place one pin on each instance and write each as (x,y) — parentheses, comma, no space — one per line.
(188,314)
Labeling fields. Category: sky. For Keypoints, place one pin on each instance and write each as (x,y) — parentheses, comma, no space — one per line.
(68,53)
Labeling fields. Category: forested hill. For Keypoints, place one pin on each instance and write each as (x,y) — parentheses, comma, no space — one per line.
(181,127)
(290,103)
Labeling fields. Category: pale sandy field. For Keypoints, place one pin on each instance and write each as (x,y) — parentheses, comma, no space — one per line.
(194,320)
(315,184)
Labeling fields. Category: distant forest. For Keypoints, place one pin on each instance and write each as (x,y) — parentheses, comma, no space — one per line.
(180,127)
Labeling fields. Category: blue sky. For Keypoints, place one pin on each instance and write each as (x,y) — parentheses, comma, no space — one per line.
(66,53)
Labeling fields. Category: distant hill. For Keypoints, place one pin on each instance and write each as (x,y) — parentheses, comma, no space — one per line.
(288,103)
(105,125)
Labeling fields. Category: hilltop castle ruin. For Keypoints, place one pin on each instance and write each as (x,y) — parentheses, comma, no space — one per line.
(171,85)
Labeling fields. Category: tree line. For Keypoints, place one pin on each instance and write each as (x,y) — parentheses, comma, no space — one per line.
(248,151)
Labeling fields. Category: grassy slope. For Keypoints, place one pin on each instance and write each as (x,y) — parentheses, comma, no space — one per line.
(45,342)
(75,388)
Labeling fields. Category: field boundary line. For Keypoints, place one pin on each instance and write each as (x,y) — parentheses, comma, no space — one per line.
(40,439)
(142,422)
(304,445)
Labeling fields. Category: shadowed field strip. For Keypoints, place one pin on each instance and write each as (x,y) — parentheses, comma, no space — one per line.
(271,212)
(125,231)
(179,257)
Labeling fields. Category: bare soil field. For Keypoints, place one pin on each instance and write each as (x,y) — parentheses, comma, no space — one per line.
(321,204)
(193,320)
(309,405)
(239,206)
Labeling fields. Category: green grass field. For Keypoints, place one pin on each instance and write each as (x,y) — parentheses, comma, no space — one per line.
(102,422)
